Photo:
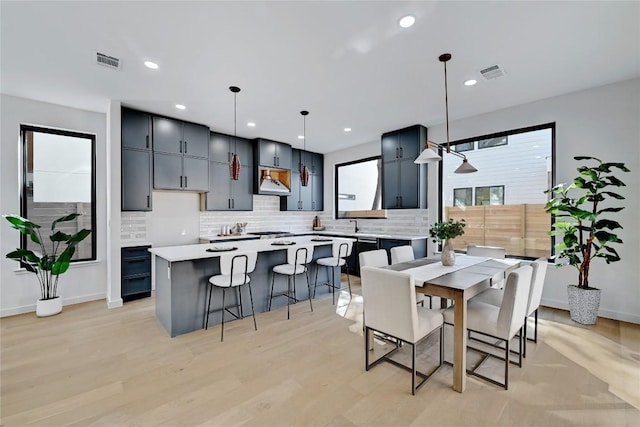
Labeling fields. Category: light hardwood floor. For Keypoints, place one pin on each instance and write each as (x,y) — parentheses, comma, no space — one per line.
(99,367)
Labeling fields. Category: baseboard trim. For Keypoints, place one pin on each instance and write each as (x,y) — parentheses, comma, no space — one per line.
(115,303)
(30,308)
(615,315)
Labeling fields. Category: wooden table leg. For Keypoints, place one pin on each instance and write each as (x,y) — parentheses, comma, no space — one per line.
(459,342)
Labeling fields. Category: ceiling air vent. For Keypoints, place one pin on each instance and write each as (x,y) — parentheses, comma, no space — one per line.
(492,72)
(107,61)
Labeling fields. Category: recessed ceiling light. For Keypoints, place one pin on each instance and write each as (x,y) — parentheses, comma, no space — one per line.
(407,21)
(251,124)
(300,136)
(151,64)
(470,82)
(181,107)
(347,129)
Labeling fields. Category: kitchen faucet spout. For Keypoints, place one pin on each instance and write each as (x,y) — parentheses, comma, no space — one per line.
(356,221)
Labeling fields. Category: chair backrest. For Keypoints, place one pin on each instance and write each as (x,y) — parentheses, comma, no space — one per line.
(401,254)
(375,258)
(389,299)
(299,254)
(238,263)
(514,301)
(489,251)
(341,249)
(537,284)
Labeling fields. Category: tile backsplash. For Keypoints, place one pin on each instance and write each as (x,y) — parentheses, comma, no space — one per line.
(266,216)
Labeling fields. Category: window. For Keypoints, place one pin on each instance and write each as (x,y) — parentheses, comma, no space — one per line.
(492,142)
(359,189)
(503,203)
(58,178)
(465,146)
(490,195)
(462,196)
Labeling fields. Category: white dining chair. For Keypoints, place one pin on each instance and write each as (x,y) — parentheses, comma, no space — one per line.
(339,253)
(405,253)
(390,303)
(501,323)
(234,273)
(298,259)
(494,296)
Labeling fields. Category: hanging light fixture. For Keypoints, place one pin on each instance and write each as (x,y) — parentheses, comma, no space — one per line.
(304,170)
(234,162)
(429,155)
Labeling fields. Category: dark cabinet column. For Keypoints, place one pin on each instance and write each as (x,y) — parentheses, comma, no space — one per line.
(136,180)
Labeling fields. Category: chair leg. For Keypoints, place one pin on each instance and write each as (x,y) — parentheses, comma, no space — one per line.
(273,278)
(430,302)
(223,310)
(306,272)
(206,320)
(521,351)
(524,351)
(315,283)
(331,274)
(348,280)
(239,301)
(506,365)
(289,293)
(253,311)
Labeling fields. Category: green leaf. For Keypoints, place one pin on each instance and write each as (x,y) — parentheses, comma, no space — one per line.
(610,210)
(620,166)
(82,234)
(614,195)
(65,218)
(606,223)
(64,260)
(586,158)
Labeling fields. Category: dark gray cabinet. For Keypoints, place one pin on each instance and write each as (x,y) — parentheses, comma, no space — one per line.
(273,154)
(136,272)
(311,197)
(137,166)
(404,183)
(224,193)
(419,246)
(180,155)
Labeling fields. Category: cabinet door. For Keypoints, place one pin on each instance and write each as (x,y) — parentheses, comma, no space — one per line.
(219,148)
(297,158)
(136,130)
(409,184)
(242,190)
(390,150)
(167,171)
(317,163)
(196,174)
(195,140)
(268,153)
(136,180)
(391,185)
(306,196)
(244,149)
(217,198)
(283,156)
(410,143)
(317,193)
(167,135)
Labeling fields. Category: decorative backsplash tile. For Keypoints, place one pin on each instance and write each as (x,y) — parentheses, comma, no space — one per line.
(133,226)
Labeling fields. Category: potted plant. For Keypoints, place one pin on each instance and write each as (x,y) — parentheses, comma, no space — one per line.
(446,232)
(47,265)
(585,232)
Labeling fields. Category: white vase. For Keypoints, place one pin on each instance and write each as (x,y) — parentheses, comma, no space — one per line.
(48,307)
(448,254)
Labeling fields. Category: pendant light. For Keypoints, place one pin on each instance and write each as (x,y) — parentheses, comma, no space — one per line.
(234,162)
(304,170)
(429,155)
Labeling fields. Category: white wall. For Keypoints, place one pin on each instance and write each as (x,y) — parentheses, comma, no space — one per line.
(84,281)
(601,122)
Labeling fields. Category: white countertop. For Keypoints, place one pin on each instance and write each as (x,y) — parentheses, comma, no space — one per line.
(373,235)
(189,252)
(133,243)
(229,237)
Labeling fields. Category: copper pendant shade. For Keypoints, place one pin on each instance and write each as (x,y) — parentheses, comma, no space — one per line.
(304,170)
(234,164)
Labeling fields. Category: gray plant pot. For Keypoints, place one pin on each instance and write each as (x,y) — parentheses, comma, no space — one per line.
(583,304)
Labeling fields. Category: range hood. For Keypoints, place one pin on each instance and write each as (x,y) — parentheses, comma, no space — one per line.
(271,184)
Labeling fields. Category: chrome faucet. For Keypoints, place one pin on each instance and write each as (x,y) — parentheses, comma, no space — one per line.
(356,221)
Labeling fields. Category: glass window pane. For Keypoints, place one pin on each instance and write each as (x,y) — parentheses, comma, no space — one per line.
(462,197)
(465,146)
(492,142)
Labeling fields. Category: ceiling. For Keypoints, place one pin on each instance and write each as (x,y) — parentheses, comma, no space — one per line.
(347,62)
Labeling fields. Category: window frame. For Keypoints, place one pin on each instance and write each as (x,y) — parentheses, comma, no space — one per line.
(24,128)
(490,187)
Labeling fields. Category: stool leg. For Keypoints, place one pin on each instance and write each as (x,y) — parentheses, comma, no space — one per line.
(222,329)
(348,280)
(331,274)
(306,271)
(315,283)
(206,320)
(253,311)
(240,302)
(273,278)
(289,293)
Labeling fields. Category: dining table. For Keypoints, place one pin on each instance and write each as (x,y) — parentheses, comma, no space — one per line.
(469,276)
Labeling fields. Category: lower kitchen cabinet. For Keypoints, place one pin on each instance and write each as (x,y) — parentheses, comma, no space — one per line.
(136,272)
(419,246)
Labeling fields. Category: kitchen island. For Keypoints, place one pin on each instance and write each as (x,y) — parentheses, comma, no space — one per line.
(182,274)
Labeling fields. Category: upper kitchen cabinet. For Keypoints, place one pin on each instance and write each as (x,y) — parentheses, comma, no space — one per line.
(137,160)
(311,197)
(180,155)
(176,137)
(273,154)
(224,193)
(404,183)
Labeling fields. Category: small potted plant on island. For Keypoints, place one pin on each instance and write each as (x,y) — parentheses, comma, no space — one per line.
(49,264)
(446,232)
(585,233)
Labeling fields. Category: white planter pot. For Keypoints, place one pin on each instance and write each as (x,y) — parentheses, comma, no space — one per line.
(48,307)
(583,304)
